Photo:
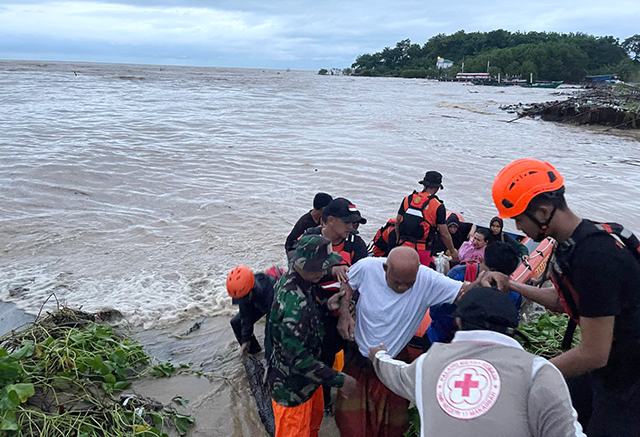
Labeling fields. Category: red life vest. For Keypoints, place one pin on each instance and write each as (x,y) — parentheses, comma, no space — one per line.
(418,219)
(275,272)
(385,239)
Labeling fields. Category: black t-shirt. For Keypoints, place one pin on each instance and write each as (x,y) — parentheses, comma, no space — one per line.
(606,278)
(305,222)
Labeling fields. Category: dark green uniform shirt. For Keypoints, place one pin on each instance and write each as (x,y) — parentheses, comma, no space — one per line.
(295,370)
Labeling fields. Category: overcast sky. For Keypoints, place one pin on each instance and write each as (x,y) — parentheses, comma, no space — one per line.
(276,33)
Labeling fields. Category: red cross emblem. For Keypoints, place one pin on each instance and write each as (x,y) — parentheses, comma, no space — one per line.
(466,385)
(467,389)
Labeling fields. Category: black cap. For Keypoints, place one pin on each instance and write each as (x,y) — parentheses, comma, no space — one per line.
(487,308)
(432,179)
(343,209)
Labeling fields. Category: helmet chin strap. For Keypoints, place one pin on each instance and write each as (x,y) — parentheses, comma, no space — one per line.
(542,225)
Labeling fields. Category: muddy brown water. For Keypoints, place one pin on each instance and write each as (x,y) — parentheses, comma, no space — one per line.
(139,187)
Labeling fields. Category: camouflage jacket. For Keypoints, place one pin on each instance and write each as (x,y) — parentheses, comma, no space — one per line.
(295,370)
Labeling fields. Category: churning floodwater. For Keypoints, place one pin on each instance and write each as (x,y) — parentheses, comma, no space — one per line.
(139,187)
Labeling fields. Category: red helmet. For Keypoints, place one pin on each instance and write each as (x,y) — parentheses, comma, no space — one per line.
(521,181)
(240,281)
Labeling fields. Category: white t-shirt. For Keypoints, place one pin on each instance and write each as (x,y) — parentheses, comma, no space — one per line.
(384,316)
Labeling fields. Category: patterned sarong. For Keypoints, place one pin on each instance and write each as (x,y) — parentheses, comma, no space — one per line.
(372,410)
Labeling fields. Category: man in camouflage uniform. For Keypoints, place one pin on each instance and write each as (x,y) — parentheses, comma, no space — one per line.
(295,374)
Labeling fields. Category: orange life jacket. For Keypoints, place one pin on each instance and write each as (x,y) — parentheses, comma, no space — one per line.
(418,224)
(385,239)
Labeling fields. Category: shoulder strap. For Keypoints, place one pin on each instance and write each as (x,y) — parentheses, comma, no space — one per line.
(623,237)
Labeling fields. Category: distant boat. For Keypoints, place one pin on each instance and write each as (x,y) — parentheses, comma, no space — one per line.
(492,83)
(543,84)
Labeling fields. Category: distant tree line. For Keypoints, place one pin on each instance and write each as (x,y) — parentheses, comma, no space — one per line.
(548,55)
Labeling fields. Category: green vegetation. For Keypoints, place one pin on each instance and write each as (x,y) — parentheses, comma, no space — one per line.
(548,55)
(60,377)
(632,46)
(545,333)
(323,72)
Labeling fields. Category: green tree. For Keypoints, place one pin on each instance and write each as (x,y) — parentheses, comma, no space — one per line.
(632,46)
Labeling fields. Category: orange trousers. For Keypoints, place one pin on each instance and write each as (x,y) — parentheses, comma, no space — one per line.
(301,421)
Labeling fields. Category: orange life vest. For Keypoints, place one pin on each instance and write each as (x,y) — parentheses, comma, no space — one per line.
(385,239)
(567,294)
(418,224)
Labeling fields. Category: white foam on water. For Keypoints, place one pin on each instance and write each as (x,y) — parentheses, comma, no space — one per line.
(148,299)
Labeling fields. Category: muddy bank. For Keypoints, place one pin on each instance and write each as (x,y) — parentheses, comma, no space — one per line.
(616,106)
(221,399)
(219,395)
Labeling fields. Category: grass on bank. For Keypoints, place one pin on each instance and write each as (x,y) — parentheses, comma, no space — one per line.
(64,376)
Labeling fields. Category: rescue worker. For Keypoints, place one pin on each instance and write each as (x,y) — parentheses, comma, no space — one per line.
(295,373)
(596,281)
(254,296)
(483,383)
(309,220)
(385,239)
(337,225)
(421,215)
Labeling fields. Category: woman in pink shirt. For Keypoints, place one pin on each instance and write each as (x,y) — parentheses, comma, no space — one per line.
(473,250)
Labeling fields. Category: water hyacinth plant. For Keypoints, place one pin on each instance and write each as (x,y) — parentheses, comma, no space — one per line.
(64,375)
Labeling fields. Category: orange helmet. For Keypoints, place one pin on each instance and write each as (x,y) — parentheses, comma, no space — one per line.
(521,181)
(240,281)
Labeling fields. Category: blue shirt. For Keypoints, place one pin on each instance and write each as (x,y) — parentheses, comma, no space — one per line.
(443,325)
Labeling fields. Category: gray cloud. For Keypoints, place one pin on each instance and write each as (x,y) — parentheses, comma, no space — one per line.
(277,33)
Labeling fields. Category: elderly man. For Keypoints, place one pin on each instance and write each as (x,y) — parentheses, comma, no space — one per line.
(394,294)
(483,383)
(296,374)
